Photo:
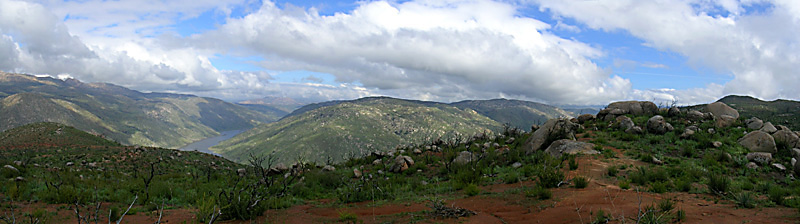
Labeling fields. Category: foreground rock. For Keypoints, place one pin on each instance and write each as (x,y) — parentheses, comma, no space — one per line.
(566,146)
(769,128)
(464,157)
(401,163)
(723,114)
(657,125)
(585,118)
(759,157)
(636,108)
(554,129)
(787,138)
(754,123)
(759,141)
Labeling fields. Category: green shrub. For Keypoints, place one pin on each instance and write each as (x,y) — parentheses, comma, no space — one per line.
(538,192)
(612,171)
(658,187)
(206,207)
(580,182)
(624,184)
(550,177)
(600,217)
(573,163)
(776,194)
(680,215)
(718,184)
(472,190)
(745,199)
(666,205)
(682,184)
(509,175)
(348,217)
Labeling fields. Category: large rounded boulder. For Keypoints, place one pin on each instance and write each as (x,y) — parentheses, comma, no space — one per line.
(551,131)
(657,125)
(723,114)
(566,146)
(786,138)
(635,108)
(759,141)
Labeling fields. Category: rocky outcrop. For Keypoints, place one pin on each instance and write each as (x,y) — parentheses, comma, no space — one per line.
(695,115)
(758,141)
(674,112)
(786,138)
(553,130)
(769,128)
(464,157)
(624,123)
(657,125)
(724,115)
(401,163)
(566,146)
(759,157)
(754,123)
(636,108)
(585,118)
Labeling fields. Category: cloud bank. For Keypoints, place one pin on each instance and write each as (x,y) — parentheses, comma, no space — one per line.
(430,50)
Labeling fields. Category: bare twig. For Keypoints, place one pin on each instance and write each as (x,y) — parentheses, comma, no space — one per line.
(129,208)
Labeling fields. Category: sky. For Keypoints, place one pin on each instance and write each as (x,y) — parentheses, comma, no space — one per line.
(550,51)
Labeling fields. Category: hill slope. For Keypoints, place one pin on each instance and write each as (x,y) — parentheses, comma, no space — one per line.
(779,112)
(355,128)
(127,116)
(517,113)
(49,134)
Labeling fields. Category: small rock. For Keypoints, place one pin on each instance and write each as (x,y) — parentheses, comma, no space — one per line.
(534,127)
(794,162)
(328,168)
(424,182)
(495,145)
(687,133)
(779,166)
(516,165)
(486,145)
(717,144)
(585,117)
(796,153)
(241,171)
(510,140)
(635,130)
(657,161)
(93,164)
(417,151)
(70,163)
(18,163)
(377,162)
(712,131)
(11,168)
(752,165)
(657,125)
(19,179)
(401,152)
(380,172)
(759,157)
(179,154)
(357,173)
(695,115)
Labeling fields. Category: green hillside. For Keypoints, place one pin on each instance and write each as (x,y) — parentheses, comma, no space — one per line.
(126,116)
(48,134)
(779,112)
(517,113)
(355,128)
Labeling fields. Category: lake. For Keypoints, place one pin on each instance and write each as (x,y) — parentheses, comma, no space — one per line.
(205,144)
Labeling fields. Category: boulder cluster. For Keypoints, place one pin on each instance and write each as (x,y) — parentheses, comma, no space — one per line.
(765,139)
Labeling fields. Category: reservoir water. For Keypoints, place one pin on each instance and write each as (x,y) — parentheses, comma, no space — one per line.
(205,144)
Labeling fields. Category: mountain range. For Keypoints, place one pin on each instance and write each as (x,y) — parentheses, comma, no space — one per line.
(127,116)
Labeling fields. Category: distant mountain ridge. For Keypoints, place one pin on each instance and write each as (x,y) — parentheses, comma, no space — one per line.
(342,129)
(127,116)
(517,113)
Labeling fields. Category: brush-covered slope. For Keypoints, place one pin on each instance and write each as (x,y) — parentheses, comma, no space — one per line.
(126,116)
(355,128)
(516,113)
(49,134)
(783,112)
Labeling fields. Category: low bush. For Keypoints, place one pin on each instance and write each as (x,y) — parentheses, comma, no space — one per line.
(580,182)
